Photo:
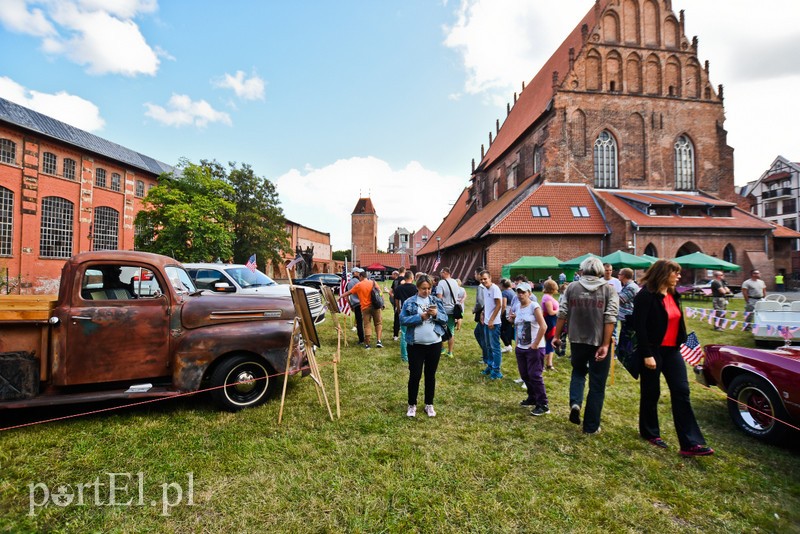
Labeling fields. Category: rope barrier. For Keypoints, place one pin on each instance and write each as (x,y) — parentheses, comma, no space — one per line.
(146,401)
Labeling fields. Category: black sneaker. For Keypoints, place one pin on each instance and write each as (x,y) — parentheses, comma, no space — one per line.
(379,345)
(575,414)
(540,410)
(527,402)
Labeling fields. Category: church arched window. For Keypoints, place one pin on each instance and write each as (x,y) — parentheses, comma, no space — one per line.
(605,161)
(684,164)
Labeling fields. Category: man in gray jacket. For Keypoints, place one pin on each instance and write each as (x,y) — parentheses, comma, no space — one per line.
(589,309)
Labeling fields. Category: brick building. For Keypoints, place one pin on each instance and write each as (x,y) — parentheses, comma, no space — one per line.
(364,229)
(616,143)
(306,238)
(62,191)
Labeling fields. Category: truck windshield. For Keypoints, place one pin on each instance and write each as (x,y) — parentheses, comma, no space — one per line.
(180,280)
(247,278)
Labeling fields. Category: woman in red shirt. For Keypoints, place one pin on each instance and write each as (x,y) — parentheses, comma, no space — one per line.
(660,330)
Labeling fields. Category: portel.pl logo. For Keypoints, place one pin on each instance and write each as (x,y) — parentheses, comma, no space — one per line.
(114,489)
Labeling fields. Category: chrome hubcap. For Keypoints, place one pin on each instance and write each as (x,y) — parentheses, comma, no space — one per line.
(245,382)
(755,409)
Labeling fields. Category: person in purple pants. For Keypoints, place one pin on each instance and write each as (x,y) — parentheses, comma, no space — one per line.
(529,325)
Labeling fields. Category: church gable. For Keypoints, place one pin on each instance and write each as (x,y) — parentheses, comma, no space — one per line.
(638,47)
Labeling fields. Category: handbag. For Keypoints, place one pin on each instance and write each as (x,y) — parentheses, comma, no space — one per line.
(458,312)
(377,298)
(627,350)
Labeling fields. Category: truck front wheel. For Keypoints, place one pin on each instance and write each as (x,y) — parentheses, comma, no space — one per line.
(241,382)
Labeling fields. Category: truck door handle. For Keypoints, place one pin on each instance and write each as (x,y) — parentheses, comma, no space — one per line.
(81,318)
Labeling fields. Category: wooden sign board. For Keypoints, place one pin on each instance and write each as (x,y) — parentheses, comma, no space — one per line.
(301,310)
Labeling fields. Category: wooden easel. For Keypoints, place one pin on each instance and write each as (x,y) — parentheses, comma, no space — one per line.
(299,326)
(308,349)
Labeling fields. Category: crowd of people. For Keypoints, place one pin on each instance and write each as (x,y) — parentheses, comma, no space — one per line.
(428,313)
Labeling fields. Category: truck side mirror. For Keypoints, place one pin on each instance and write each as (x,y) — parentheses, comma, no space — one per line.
(223,287)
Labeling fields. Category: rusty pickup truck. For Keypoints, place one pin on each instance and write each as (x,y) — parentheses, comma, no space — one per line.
(129,325)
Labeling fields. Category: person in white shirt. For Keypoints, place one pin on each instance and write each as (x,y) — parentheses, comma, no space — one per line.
(530,328)
(611,280)
(490,319)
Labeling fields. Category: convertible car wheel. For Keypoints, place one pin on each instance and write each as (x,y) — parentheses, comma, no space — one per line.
(756,408)
(241,382)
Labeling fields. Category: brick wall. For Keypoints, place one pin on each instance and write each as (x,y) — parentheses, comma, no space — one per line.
(30,185)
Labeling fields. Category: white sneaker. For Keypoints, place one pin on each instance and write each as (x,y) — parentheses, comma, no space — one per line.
(518,381)
(429,410)
(412,410)
(396,338)
(524,385)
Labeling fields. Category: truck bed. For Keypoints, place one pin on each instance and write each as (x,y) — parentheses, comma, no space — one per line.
(24,308)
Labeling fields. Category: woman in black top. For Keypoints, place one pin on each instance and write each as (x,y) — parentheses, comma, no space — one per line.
(660,330)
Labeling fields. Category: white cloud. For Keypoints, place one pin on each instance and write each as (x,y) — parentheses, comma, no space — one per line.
(63,106)
(181,110)
(15,16)
(245,88)
(102,42)
(99,34)
(503,42)
(324,198)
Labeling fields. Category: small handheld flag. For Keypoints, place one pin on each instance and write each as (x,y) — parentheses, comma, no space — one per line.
(294,262)
(251,263)
(691,350)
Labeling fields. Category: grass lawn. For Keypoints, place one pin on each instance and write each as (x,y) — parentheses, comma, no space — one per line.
(482,465)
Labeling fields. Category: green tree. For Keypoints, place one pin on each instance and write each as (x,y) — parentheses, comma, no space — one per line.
(340,255)
(259,225)
(188,216)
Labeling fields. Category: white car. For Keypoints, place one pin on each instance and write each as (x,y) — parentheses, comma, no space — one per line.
(225,279)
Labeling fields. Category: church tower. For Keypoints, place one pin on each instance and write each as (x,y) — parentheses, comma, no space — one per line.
(364,229)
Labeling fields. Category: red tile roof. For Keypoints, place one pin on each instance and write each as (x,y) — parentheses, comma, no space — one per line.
(364,205)
(738,219)
(534,100)
(559,200)
(385,259)
(478,223)
(783,232)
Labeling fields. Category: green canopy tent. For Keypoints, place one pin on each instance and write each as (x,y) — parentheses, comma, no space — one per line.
(698,260)
(620,259)
(534,267)
(575,263)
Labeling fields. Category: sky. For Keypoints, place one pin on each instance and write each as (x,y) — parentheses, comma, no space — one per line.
(336,100)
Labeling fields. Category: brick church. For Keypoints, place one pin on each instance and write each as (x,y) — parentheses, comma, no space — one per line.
(618,142)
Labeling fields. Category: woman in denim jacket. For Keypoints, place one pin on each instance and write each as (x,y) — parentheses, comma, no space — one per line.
(425,320)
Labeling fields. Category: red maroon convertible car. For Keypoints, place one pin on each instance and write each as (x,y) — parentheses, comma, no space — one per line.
(763,387)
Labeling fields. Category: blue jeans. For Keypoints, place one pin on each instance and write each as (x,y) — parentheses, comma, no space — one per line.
(583,362)
(403,344)
(491,353)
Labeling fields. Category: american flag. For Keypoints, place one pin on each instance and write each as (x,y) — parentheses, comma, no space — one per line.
(344,302)
(251,263)
(691,350)
(436,264)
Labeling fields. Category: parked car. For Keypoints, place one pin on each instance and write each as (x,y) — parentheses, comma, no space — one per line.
(237,279)
(763,387)
(333,281)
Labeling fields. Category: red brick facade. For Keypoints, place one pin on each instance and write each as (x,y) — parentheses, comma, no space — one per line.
(27,269)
